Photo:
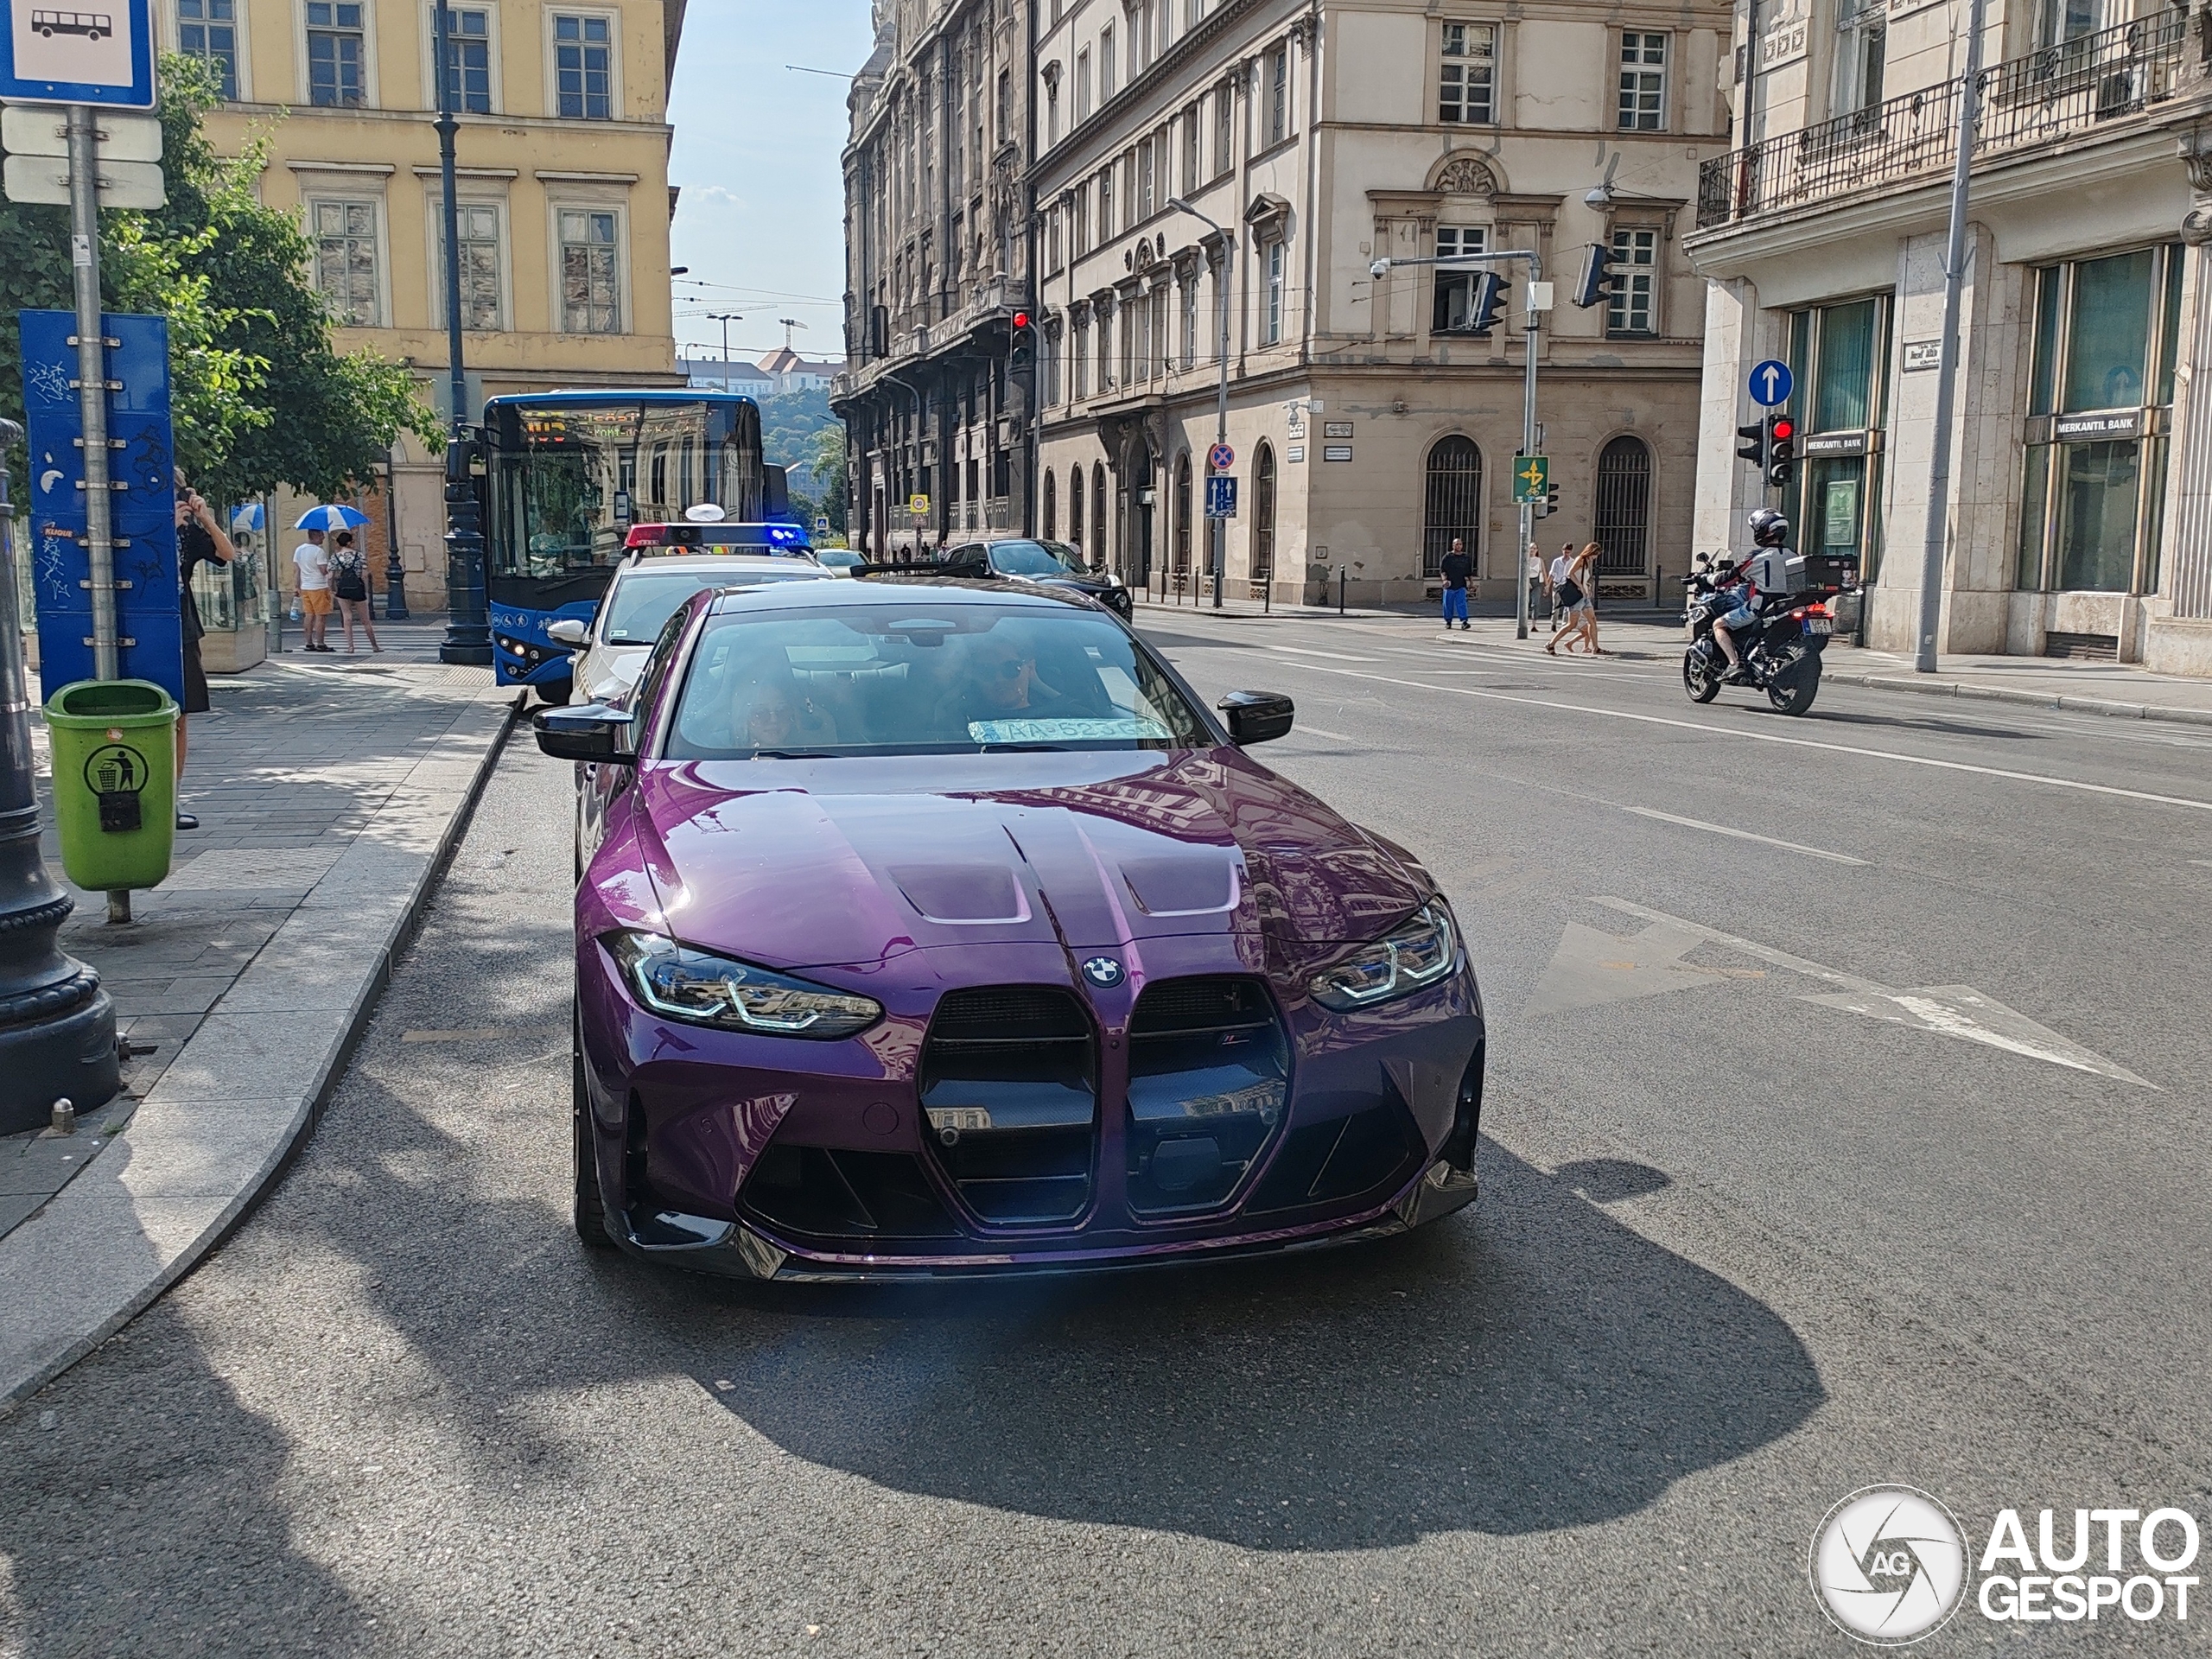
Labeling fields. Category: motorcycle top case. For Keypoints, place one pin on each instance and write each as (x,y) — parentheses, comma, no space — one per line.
(1811,573)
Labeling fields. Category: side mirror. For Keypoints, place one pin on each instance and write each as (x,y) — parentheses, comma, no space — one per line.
(568,631)
(1257,717)
(590,731)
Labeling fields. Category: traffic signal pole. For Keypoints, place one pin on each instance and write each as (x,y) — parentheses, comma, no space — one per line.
(1382,267)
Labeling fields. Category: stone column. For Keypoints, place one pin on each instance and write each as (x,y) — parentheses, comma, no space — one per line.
(2178,636)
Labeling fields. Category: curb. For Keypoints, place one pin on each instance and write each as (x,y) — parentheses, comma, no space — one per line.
(1942,688)
(207,1234)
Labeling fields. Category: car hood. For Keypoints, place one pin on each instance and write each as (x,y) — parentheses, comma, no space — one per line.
(851,862)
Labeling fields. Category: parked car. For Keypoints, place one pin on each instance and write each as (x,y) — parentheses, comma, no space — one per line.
(939,929)
(1035,564)
(839,560)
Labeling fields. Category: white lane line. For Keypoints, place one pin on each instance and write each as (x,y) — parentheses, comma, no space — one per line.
(1302,730)
(1307,651)
(1777,737)
(1745,834)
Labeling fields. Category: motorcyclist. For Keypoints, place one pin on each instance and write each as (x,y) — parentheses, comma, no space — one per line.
(1767,571)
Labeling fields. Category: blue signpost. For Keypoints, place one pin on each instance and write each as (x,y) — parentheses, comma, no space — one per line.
(141,488)
(1221,497)
(99,53)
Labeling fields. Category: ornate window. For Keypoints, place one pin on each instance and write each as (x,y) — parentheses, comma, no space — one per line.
(1455,505)
(1263,515)
(1622,522)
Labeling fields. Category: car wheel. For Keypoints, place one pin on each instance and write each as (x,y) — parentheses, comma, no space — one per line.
(556,694)
(589,1210)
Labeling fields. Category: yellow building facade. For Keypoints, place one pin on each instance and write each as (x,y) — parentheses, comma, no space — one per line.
(562,192)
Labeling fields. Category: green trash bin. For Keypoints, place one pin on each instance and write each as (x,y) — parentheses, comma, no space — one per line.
(114,782)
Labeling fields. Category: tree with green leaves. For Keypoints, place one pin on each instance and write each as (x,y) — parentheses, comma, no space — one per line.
(261,396)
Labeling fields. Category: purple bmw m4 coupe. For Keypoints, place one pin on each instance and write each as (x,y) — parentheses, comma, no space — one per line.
(934,930)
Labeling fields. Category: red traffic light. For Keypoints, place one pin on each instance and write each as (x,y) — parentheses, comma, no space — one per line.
(1784,428)
(1021,319)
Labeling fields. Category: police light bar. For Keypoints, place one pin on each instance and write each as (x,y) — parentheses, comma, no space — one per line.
(722,537)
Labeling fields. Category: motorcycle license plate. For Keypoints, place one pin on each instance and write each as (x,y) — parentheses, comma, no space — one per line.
(1818,625)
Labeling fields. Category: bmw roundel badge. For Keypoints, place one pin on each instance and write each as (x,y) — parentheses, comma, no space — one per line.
(1104,972)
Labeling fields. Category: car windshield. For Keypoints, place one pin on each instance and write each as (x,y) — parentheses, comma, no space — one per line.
(910,678)
(1035,559)
(641,603)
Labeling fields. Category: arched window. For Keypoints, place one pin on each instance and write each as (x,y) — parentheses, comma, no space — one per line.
(1454,510)
(1263,515)
(1103,554)
(1052,507)
(1075,506)
(1183,511)
(1622,522)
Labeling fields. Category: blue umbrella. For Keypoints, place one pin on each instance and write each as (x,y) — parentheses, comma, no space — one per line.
(334,517)
(248,516)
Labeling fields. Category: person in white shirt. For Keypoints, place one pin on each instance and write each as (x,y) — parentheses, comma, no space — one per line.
(1555,579)
(313,566)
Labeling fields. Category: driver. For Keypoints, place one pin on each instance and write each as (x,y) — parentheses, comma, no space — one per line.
(1766,571)
(998,681)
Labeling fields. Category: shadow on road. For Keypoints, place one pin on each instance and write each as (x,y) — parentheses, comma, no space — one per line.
(1534,1366)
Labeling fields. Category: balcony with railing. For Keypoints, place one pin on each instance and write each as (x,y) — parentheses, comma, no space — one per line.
(2079,88)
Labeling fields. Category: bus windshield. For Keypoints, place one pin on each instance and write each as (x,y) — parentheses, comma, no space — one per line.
(570,476)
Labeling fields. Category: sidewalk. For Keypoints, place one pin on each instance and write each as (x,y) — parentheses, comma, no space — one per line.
(2119,689)
(329,791)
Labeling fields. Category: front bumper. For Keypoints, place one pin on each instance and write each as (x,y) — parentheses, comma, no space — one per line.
(1373,1134)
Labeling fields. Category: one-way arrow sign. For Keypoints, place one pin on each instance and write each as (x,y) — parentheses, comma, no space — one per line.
(1771,382)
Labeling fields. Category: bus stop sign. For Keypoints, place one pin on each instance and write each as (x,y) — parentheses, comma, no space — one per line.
(91,52)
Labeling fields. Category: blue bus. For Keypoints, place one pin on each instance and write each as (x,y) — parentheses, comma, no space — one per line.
(566,476)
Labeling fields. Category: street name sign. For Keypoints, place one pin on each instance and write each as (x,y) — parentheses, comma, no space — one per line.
(1221,497)
(1771,382)
(94,52)
(1532,477)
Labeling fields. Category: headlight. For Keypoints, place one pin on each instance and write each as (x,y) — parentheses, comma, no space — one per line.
(706,990)
(1418,951)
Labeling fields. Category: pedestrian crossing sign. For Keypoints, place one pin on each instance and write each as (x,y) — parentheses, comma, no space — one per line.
(1532,477)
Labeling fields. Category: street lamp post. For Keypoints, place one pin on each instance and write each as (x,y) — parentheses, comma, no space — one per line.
(725,318)
(1382,267)
(57,1026)
(468,630)
(1216,552)
(395,572)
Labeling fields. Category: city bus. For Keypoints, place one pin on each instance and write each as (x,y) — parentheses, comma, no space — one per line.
(568,473)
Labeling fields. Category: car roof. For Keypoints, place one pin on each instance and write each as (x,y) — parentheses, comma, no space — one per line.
(877,590)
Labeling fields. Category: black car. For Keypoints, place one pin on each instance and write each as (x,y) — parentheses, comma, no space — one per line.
(1036,564)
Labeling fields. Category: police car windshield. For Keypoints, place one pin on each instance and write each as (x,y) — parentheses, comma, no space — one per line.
(642,601)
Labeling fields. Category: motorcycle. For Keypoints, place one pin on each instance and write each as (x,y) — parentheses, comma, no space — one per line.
(1781,648)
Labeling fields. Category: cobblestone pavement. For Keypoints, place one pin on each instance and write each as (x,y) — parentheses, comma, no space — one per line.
(289,768)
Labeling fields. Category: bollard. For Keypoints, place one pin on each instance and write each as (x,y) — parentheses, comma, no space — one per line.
(65,1116)
(1341,575)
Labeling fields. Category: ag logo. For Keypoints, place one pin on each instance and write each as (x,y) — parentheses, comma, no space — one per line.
(1104,972)
(1889,1565)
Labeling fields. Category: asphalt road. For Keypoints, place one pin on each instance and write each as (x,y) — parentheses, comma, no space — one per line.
(1738,1253)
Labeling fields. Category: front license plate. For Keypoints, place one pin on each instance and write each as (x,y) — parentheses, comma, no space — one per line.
(1818,625)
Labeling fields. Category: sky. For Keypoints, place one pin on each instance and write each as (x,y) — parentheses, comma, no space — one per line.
(762,209)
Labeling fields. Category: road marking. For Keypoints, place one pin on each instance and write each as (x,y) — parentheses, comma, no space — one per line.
(478,1034)
(1745,834)
(1776,737)
(1334,656)
(1320,731)
(1955,1011)
(1591,969)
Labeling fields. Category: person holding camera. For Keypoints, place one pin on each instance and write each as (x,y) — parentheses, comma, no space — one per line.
(200,540)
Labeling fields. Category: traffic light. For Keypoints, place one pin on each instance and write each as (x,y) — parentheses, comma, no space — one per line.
(1751,444)
(1596,287)
(1549,504)
(1023,352)
(1781,449)
(1486,310)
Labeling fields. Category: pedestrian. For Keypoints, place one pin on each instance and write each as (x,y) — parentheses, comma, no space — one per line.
(200,540)
(1554,578)
(312,563)
(1458,567)
(349,586)
(1582,616)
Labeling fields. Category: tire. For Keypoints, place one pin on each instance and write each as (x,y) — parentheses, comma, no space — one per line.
(1700,688)
(557,694)
(1792,692)
(589,1209)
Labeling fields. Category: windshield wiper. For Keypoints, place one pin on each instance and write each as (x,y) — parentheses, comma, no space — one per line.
(792,755)
(1024,748)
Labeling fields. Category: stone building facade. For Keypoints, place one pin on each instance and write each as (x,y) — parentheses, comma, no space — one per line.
(2079,513)
(1371,425)
(937,250)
